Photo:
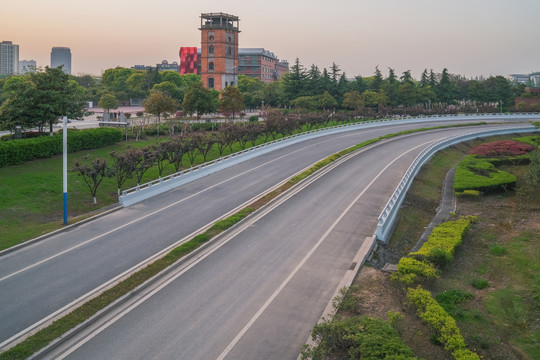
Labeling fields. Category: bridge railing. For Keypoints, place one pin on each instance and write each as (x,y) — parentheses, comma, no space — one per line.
(388,216)
(158,186)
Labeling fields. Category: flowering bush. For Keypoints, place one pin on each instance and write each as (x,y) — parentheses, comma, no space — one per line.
(502,148)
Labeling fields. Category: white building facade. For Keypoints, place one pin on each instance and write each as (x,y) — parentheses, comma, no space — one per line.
(9,58)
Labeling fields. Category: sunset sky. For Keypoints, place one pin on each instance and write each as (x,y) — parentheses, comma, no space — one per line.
(471,38)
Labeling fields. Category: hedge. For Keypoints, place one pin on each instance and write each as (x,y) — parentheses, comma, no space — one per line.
(480,174)
(410,269)
(19,151)
(443,240)
(441,322)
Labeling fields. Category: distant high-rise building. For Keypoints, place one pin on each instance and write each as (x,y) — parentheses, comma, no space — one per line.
(61,56)
(27,66)
(219,50)
(9,58)
(188,60)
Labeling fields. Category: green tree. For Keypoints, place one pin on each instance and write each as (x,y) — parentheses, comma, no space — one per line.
(115,81)
(446,90)
(108,101)
(352,100)
(326,101)
(159,103)
(308,103)
(42,99)
(171,89)
(231,101)
(294,81)
(199,100)
(377,81)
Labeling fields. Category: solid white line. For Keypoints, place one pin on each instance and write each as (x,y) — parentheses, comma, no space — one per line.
(36,325)
(141,218)
(305,259)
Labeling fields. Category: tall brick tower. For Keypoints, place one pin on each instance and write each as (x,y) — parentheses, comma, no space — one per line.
(219,50)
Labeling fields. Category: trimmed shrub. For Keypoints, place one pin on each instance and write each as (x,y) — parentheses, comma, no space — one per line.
(442,242)
(19,151)
(409,270)
(469,194)
(502,148)
(480,174)
(445,327)
(533,140)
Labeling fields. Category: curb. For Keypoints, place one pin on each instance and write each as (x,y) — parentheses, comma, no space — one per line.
(58,231)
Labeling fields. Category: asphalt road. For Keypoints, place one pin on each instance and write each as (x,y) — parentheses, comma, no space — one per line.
(258,293)
(40,279)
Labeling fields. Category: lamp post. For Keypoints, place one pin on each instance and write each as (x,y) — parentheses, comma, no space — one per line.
(64,138)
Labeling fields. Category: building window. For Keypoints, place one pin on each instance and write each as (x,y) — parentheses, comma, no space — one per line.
(229,50)
(210,66)
(211,38)
(211,49)
(210,83)
(226,83)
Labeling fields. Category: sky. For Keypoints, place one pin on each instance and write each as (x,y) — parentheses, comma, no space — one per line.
(468,37)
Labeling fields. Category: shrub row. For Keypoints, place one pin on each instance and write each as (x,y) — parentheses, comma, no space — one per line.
(442,242)
(441,322)
(411,270)
(438,250)
(480,174)
(18,151)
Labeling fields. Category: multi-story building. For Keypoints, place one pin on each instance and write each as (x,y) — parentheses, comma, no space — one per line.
(9,58)
(61,56)
(188,60)
(219,50)
(27,66)
(261,64)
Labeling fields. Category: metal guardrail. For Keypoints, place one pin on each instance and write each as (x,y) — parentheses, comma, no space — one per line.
(388,216)
(158,186)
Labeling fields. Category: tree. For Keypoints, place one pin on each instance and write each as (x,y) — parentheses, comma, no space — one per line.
(231,101)
(308,103)
(171,89)
(42,99)
(293,81)
(326,101)
(352,100)
(93,172)
(108,101)
(377,82)
(158,103)
(124,165)
(199,100)
(446,90)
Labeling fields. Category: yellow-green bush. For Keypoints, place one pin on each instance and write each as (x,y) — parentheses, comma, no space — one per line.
(441,322)
(409,270)
(480,174)
(442,242)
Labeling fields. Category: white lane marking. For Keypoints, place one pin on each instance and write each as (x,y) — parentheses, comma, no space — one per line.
(305,259)
(100,329)
(147,215)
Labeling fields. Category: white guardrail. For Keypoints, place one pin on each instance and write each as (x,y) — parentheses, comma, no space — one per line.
(158,186)
(388,216)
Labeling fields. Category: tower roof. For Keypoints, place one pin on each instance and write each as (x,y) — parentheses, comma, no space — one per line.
(219,21)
